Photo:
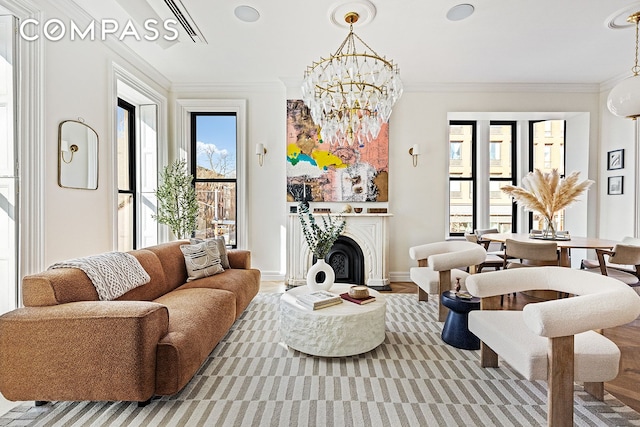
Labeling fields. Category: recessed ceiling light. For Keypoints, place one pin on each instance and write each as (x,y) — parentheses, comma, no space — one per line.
(246,13)
(460,12)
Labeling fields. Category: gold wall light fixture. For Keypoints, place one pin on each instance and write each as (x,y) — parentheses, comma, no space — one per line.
(415,152)
(260,152)
(66,148)
(624,98)
(351,93)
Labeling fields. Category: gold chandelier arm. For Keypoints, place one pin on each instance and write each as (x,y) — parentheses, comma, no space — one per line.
(635,68)
(339,87)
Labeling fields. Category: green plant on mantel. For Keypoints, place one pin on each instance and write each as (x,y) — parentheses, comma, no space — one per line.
(320,239)
(177,204)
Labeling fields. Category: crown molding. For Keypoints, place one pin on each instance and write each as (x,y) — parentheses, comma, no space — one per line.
(503,87)
(226,87)
(296,83)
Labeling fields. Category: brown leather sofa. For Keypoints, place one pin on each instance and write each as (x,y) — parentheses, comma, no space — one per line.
(67,345)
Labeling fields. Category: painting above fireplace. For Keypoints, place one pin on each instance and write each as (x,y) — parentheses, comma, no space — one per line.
(321,172)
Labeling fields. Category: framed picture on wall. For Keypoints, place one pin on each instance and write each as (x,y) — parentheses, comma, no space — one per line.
(615,185)
(615,159)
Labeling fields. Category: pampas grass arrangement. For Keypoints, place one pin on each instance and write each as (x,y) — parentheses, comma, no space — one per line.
(547,193)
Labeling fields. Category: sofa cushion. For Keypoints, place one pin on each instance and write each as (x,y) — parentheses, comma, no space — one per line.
(245,284)
(172,261)
(222,249)
(157,286)
(198,319)
(202,259)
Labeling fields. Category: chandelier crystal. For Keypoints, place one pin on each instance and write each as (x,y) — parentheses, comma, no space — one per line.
(350,94)
(624,98)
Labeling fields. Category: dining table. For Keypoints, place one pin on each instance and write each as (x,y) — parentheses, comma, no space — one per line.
(565,243)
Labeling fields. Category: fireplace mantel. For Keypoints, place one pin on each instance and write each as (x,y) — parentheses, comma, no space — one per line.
(370,231)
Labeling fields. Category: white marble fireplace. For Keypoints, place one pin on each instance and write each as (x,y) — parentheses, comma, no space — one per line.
(369,231)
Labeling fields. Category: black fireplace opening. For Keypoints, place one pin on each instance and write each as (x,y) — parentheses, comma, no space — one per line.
(347,260)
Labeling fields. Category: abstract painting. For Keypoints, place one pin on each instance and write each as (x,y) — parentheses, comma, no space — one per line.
(321,172)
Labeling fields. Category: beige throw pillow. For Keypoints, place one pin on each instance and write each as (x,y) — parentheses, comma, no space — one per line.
(222,249)
(201,260)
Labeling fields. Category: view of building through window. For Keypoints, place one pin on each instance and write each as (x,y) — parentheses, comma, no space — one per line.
(546,148)
(547,153)
(213,149)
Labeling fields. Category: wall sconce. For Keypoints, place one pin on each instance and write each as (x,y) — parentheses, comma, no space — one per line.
(65,148)
(415,152)
(260,152)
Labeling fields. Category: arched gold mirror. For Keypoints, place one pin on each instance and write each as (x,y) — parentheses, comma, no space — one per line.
(77,155)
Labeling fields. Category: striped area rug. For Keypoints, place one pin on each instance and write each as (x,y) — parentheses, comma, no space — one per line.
(412,379)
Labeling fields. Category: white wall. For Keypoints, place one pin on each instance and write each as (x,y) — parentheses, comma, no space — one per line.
(266,191)
(77,81)
(616,211)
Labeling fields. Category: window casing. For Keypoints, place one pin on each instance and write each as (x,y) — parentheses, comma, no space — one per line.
(214,142)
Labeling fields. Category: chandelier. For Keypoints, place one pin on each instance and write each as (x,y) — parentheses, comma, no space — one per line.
(624,98)
(349,94)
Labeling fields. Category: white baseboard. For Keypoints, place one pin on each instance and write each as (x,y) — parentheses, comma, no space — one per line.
(399,276)
(272,276)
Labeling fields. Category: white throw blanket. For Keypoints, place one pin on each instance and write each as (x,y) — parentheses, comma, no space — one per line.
(113,274)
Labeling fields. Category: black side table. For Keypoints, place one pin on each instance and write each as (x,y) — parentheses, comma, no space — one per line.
(455,331)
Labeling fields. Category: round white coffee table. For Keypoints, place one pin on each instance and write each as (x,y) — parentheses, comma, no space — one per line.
(340,330)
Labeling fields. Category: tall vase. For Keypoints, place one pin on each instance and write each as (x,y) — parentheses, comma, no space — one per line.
(549,230)
(329,276)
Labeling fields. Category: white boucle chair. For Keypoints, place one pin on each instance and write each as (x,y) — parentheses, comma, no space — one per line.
(553,340)
(437,272)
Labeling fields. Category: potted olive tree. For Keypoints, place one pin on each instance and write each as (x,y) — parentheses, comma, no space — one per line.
(177,204)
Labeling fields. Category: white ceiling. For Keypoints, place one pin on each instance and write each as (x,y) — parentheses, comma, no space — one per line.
(504,41)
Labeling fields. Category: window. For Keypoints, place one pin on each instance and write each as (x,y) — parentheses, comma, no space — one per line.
(214,164)
(9,208)
(126,146)
(461,177)
(494,151)
(502,210)
(477,199)
(547,152)
(456,150)
(547,157)
(137,151)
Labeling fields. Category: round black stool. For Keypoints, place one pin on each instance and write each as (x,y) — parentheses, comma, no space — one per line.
(455,331)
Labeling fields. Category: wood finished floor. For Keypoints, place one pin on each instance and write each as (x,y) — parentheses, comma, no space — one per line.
(626,387)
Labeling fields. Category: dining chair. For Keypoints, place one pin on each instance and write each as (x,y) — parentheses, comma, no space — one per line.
(587,264)
(621,255)
(493,260)
(529,254)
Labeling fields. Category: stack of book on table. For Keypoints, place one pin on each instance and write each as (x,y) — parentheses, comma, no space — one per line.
(319,299)
(365,300)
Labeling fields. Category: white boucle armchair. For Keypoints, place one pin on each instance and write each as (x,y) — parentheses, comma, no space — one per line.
(553,340)
(438,267)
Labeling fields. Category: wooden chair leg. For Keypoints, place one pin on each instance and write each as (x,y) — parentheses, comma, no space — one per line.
(445,285)
(595,389)
(488,357)
(560,379)
(422,295)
